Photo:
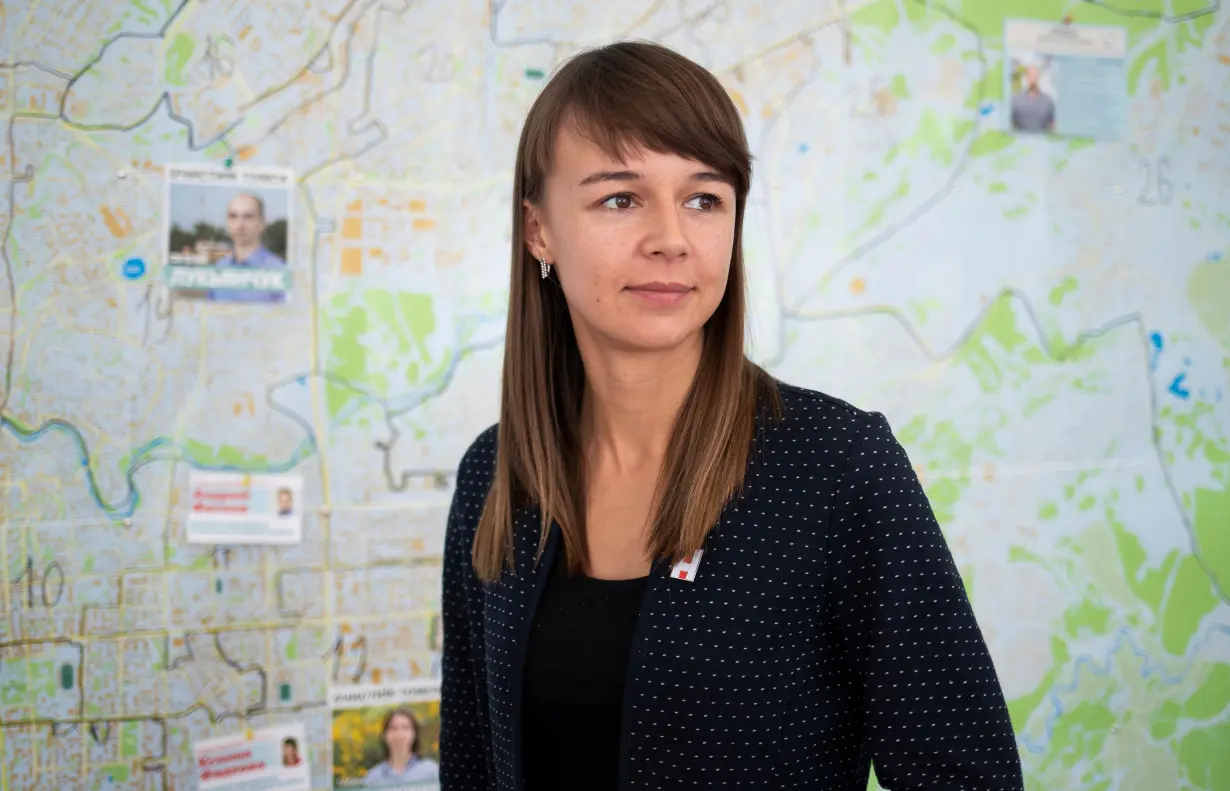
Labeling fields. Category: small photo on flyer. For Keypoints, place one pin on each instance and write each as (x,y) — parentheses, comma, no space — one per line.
(387,736)
(227,233)
(1065,80)
(244,508)
(271,758)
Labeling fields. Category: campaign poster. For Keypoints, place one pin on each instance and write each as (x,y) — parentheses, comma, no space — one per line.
(1065,79)
(227,233)
(244,508)
(270,759)
(387,736)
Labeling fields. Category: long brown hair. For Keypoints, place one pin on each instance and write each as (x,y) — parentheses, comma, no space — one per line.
(620,97)
(414,723)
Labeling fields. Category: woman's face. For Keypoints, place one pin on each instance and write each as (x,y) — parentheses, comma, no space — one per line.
(399,736)
(642,248)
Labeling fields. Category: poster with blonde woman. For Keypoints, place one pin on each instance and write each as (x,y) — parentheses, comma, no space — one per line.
(386,736)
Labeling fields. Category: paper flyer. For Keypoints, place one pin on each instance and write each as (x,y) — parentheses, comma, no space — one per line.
(242,508)
(386,736)
(271,759)
(227,233)
(1065,79)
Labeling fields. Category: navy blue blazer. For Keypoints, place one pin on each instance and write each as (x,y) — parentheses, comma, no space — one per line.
(826,628)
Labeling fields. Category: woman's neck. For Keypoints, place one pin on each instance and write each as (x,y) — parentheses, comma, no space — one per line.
(631,403)
(398,762)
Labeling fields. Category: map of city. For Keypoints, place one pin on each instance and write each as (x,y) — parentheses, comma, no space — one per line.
(1044,319)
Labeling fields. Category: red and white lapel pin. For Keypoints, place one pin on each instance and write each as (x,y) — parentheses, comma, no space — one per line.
(686,569)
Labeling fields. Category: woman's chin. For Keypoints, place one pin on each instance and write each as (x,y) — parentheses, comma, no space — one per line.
(655,338)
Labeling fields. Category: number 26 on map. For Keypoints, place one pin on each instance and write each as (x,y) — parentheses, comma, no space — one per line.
(1155,185)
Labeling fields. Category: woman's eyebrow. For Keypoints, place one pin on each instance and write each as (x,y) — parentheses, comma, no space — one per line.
(631,175)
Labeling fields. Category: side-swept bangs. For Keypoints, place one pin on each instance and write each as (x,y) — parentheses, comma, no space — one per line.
(620,97)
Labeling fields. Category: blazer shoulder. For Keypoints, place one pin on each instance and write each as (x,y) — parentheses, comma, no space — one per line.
(477,466)
(815,418)
(474,476)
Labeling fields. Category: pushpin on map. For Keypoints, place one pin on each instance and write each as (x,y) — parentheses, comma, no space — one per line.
(228,162)
(248,734)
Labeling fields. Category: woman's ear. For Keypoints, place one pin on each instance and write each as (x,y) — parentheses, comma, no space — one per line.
(534,231)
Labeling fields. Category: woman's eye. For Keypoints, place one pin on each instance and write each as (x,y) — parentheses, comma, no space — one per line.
(618,202)
(705,202)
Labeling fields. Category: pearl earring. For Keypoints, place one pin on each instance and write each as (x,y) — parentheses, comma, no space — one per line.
(544,268)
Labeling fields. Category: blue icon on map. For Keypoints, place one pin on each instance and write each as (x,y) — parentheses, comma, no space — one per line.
(1156,340)
(134,268)
(986,109)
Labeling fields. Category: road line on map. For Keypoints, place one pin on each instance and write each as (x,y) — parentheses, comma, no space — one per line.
(933,356)
(796,37)
(6,595)
(5,238)
(35,64)
(4,566)
(314,335)
(274,91)
(925,207)
(494,9)
(389,413)
(644,18)
(145,454)
(687,23)
(1103,667)
(1176,497)
(21,34)
(766,192)
(319,422)
(1057,354)
(214,717)
(386,448)
(346,75)
(163,98)
(29,653)
(154,36)
(133,495)
(1160,16)
(29,171)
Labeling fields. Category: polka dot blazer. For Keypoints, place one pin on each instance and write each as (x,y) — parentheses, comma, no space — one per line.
(826,628)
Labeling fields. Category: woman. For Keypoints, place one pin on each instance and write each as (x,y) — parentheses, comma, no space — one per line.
(402,762)
(290,752)
(663,569)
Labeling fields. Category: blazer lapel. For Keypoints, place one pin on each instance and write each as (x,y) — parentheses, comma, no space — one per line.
(530,580)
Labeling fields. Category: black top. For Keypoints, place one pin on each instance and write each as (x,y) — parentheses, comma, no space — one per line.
(575,666)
